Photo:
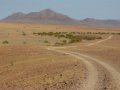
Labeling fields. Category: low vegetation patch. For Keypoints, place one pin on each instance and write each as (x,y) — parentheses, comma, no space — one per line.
(24,42)
(23,34)
(46,41)
(70,37)
(5,42)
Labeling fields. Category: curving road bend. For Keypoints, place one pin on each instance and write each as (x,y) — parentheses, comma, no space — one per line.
(100,75)
(100,41)
(92,76)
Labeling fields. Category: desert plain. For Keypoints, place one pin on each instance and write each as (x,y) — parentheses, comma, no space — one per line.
(34,62)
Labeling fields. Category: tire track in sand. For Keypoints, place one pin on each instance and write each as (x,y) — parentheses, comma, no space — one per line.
(92,74)
(100,41)
(114,73)
(91,82)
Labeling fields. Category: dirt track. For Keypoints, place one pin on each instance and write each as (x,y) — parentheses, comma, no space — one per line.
(100,41)
(100,75)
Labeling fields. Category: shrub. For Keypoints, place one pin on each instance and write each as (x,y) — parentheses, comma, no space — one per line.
(11,63)
(46,42)
(98,37)
(23,33)
(34,33)
(118,33)
(24,43)
(89,38)
(58,44)
(64,41)
(5,42)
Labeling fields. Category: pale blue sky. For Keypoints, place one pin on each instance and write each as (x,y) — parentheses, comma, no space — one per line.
(79,9)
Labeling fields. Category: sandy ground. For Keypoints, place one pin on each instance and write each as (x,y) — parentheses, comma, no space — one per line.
(35,68)
(88,65)
(104,75)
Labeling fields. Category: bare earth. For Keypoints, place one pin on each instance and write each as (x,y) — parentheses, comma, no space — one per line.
(110,76)
(88,65)
(100,74)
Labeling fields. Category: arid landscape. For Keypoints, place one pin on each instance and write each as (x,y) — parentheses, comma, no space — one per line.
(59,45)
(58,57)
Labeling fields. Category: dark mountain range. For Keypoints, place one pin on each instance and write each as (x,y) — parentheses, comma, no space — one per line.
(45,16)
(100,23)
(48,16)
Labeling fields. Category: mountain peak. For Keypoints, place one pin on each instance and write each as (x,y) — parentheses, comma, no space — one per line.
(47,10)
(52,17)
(44,16)
(89,19)
(18,14)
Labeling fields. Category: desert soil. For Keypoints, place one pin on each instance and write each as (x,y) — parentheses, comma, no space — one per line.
(101,75)
(88,65)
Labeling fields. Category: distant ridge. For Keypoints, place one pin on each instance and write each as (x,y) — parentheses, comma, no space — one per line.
(100,23)
(49,16)
(44,16)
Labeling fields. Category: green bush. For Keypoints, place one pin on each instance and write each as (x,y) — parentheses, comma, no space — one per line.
(46,42)
(98,37)
(5,42)
(64,41)
(24,43)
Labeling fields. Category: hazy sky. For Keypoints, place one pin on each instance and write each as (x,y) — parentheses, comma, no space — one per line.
(79,9)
